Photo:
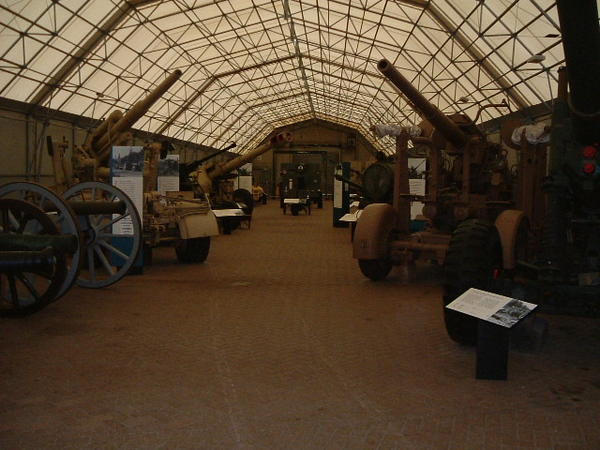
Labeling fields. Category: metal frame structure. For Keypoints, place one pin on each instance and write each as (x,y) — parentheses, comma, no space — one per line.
(252,66)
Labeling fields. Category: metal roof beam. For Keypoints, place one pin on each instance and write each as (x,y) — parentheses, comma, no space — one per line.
(190,101)
(474,53)
(92,42)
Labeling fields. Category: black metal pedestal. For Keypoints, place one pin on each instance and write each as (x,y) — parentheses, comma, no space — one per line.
(492,351)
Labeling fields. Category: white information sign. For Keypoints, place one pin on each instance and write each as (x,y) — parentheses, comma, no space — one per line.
(244,178)
(127,170)
(416,209)
(494,308)
(338,191)
(416,186)
(294,201)
(417,167)
(350,217)
(228,212)
(168,174)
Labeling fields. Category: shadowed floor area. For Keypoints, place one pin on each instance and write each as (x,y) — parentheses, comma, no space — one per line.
(278,341)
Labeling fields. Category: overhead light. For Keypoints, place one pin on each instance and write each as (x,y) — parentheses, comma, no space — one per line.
(538,58)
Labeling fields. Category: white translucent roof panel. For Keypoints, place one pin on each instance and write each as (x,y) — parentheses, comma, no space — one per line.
(251,66)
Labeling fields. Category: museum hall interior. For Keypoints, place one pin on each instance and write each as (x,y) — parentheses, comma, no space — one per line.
(299,224)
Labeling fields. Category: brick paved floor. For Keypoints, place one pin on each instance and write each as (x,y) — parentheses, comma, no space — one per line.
(277,341)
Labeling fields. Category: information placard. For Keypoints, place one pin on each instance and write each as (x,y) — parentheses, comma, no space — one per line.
(351,217)
(127,170)
(294,201)
(493,308)
(228,212)
(417,184)
(168,174)
(127,174)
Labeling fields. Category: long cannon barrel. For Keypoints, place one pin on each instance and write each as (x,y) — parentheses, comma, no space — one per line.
(66,243)
(191,166)
(102,146)
(235,163)
(349,182)
(581,42)
(26,261)
(427,110)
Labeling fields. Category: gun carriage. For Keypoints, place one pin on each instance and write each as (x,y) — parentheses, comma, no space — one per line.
(186,218)
(548,256)
(84,210)
(212,179)
(467,176)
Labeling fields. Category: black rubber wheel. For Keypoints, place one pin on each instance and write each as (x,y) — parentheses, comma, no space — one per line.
(245,197)
(375,269)
(193,250)
(473,260)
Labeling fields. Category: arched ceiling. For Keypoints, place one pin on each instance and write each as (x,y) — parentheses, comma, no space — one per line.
(251,66)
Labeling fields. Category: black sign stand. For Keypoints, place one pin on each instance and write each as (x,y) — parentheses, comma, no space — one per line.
(496,315)
(492,351)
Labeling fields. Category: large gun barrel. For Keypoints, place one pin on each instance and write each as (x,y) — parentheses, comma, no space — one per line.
(581,42)
(349,182)
(191,166)
(426,109)
(100,147)
(235,163)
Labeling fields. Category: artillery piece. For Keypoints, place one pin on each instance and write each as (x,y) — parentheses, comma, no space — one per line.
(84,215)
(212,179)
(190,222)
(186,169)
(467,177)
(550,258)
(90,161)
(81,209)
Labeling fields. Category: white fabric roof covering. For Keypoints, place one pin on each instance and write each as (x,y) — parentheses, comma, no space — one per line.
(250,66)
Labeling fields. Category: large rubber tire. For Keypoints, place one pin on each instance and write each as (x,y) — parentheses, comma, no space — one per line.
(375,269)
(193,250)
(372,240)
(473,257)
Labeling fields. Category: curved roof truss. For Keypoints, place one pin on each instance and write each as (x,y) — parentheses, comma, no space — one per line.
(251,66)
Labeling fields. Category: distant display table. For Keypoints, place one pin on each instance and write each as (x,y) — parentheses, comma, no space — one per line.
(228,219)
(296,205)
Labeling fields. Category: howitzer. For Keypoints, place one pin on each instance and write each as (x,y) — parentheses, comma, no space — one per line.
(91,159)
(573,185)
(96,212)
(205,177)
(185,169)
(466,177)
(448,128)
(187,222)
(478,181)
(558,268)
